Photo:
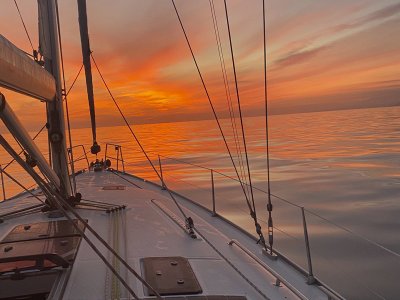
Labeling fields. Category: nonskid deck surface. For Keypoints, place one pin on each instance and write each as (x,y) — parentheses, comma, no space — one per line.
(150,226)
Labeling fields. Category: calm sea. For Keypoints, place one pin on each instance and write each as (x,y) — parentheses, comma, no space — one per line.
(342,166)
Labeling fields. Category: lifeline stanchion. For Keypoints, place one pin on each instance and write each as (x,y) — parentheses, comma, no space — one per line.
(311,278)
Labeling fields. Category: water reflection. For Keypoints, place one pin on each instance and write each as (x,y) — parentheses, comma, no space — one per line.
(341,165)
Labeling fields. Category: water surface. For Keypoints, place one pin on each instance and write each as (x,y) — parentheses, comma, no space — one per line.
(342,166)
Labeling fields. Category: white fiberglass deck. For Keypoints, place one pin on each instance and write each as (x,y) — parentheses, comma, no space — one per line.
(145,229)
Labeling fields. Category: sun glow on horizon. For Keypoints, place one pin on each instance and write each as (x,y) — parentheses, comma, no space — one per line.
(316,50)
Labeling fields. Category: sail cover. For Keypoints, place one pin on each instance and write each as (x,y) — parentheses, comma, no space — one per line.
(20,73)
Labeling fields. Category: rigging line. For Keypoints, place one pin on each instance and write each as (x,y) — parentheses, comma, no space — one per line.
(287,202)
(37,134)
(63,205)
(125,240)
(354,233)
(82,157)
(335,224)
(95,249)
(107,292)
(232,266)
(27,212)
(137,140)
(131,182)
(39,180)
(22,186)
(269,205)
(227,176)
(225,74)
(19,144)
(28,54)
(74,81)
(277,228)
(23,23)
(212,106)
(73,187)
(228,93)
(240,111)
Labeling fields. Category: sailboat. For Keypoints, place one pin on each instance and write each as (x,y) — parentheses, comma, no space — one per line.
(103,233)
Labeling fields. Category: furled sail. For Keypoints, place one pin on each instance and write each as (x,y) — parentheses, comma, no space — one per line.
(20,73)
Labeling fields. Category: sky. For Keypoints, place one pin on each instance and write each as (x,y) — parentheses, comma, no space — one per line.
(322,55)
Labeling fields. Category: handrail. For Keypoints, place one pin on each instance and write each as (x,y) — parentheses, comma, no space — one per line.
(310,276)
(82,157)
(118,150)
(365,239)
(119,157)
(269,269)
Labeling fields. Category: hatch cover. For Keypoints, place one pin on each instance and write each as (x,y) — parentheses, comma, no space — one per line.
(40,246)
(170,275)
(38,254)
(29,287)
(43,230)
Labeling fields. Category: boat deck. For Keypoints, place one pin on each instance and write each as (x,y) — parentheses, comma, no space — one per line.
(151,227)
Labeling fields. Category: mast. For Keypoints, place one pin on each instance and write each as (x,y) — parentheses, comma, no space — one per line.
(83,27)
(49,47)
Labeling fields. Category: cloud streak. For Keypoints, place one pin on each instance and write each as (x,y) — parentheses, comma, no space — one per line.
(316,49)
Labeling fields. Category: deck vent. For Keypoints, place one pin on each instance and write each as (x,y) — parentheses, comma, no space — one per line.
(170,275)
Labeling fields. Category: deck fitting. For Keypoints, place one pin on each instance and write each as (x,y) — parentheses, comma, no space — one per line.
(311,280)
(270,255)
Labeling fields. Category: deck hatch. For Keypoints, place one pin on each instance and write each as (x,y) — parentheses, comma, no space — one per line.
(35,287)
(42,230)
(170,275)
(38,254)
(33,255)
(39,246)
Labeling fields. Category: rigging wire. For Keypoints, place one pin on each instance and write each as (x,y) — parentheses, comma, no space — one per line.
(212,106)
(74,81)
(64,206)
(189,221)
(228,94)
(31,161)
(294,205)
(362,237)
(262,294)
(64,95)
(22,186)
(37,134)
(28,158)
(269,205)
(254,215)
(26,30)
